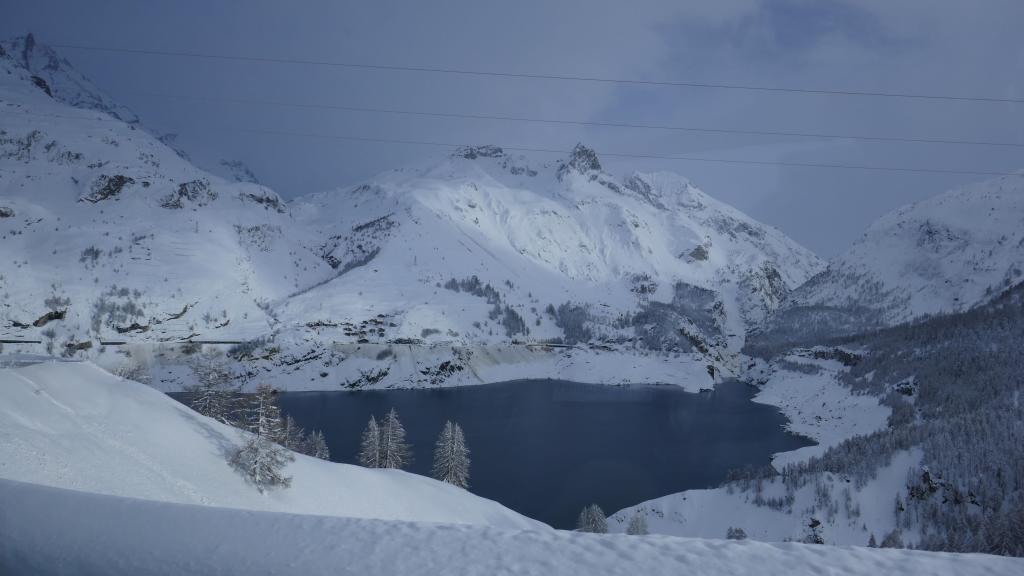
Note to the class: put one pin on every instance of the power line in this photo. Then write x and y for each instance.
(539, 76)
(454, 145)
(704, 130)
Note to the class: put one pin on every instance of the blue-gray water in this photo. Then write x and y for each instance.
(546, 448)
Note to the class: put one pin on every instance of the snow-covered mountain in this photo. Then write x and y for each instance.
(110, 229)
(112, 235)
(58, 78)
(945, 254)
(558, 249)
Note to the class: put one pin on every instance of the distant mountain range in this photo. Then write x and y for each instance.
(108, 234)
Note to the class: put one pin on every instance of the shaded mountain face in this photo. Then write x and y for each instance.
(945, 254)
(113, 235)
(59, 79)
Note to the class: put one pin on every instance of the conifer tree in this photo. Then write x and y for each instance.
(451, 456)
(213, 394)
(893, 539)
(293, 437)
(261, 459)
(592, 519)
(637, 525)
(394, 451)
(369, 448)
(316, 446)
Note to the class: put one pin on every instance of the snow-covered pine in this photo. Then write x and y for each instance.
(213, 394)
(369, 448)
(316, 446)
(637, 525)
(261, 459)
(893, 539)
(592, 519)
(293, 437)
(451, 456)
(395, 452)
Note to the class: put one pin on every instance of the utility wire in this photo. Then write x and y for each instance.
(703, 130)
(539, 76)
(454, 145)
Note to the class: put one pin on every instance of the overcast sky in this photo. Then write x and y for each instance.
(926, 46)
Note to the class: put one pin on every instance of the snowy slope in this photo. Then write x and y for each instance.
(542, 234)
(106, 224)
(808, 392)
(72, 425)
(945, 254)
(61, 79)
(710, 513)
(110, 235)
(47, 532)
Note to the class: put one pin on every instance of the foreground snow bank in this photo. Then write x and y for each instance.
(72, 425)
(47, 531)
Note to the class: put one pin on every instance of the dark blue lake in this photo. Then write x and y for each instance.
(547, 448)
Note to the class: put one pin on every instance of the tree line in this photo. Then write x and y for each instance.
(272, 439)
(383, 445)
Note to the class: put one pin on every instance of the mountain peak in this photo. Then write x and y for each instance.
(583, 159)
(61, 80)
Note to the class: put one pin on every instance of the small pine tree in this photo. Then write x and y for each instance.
(451, 456)
(261, 459)
(893, 539)
(316, 446)
(735, 534)
(637, 525)
(213, 395)
(592, 519)
(871, 541)
(293, 437)
(813, 535)
(369, 448)
(394, 451)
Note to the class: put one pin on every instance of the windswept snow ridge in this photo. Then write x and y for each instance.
(48, 531)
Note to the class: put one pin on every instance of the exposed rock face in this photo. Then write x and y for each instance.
(6, 212)
(266, 198)
(198, 192)
(49, 317)
(581, 160)
(107, 187)
(42, 85)
(474, 152)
